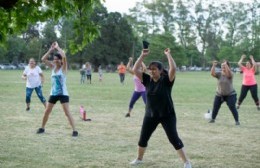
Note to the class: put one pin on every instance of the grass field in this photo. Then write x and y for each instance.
(110, 139)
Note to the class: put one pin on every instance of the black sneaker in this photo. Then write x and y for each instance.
(28, 108)
(127, 115)
(40, 130)
(75, 133)
(212, 121)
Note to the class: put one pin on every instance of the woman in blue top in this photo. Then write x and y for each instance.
(159, 106)
(59, 90)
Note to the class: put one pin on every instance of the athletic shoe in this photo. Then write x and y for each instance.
(237, 123)
(238, 107)
(127, 115)
(75, 133)
(187, 165)
(28, 108)
(136, 162)
(40, 131)
(212, 121)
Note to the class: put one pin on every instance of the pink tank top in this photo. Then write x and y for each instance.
(139, 87)
(248, 76)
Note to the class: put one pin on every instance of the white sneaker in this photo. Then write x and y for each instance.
(187, 165)
(136, 162)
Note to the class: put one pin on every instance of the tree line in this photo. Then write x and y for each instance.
(197, 31)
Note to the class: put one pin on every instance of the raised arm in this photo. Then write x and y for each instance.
(138, 64)
(213, 68)
(228, 70)
(129, 64)
(46, 56)
(253, 62)
(64, 59)
(241, 60)
(172, 64)
(144, 67)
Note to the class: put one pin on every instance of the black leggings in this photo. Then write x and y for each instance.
(122, 77)
(231, 102)
(89, 78)
(169, 126)
(244, 90)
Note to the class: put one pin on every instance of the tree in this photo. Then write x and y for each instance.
(16, 49)
(16, 15)
(236, 20)
(158, 44)
(115, 43)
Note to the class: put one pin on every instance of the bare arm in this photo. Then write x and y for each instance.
(253, 62)
(138, 63)
(46, 55)
(128, 66)
(24, 77)
(144, 67)
(228, 71)
(172, 64)
(213, 71)
(64, 59)
(241, 60)
(42, 77)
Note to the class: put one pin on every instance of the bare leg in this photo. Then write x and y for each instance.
(65, 107)
(141, 151)
(139, 158)
(47, 112)
(44, 104)
(184, 158)
(182, 155)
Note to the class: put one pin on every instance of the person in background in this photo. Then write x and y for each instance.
(83, 74)
(100, 73)
(34, 80)
(59, 90)
(121, 71)
(159, 106)
(88, 69)
(139, 87)
(249, 81)
(225, 91)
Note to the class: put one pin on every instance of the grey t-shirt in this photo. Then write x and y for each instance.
(225, 85)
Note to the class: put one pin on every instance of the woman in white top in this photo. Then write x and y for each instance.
(59, 90)
(34, 79)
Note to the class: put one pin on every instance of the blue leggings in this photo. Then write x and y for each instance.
(38, 92)
(231, 102)
(169, 126)
(136, 95)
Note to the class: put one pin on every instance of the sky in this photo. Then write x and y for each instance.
(122, 6)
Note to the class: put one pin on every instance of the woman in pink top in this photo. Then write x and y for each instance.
(249, 81)
(139, 87)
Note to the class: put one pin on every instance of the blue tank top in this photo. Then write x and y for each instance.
(58, 83)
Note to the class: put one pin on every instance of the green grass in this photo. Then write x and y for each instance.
(110, 139)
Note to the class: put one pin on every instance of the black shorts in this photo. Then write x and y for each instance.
(61, 98)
